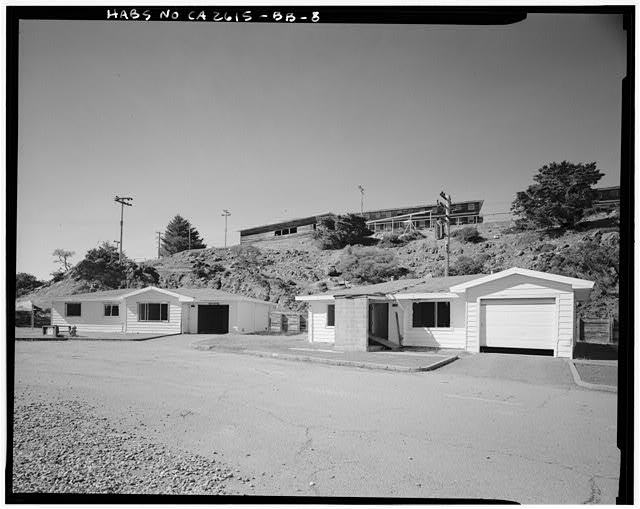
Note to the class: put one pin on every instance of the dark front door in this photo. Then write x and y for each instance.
(213, 319)
(379, 320)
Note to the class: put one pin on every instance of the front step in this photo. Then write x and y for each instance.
(386, 343)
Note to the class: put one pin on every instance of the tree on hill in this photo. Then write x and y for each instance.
(101, 264)
(26, 283)
(63, 256)
(176, 237)
(336, 232)
(560, 196)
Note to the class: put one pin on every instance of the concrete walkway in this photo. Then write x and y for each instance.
(35, 334)
(297, 348)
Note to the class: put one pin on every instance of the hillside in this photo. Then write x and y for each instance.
(278, 270)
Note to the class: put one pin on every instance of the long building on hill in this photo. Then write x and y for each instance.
(380, 220)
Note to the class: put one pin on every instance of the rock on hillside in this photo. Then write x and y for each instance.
(278, 270)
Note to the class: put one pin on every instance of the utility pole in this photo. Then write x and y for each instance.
(122, 200)
(225, 214)
(361, 199)
(159, 233)
(447, 216)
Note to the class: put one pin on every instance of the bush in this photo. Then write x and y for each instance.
(390, 240)
(466, 265)
(336, 232)
(468, 234)
(370, 265)
(411, 235)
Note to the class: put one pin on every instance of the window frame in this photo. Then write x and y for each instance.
(435, 315)
(140, 319)
(111, 305)
(332, 314)
(66, 309)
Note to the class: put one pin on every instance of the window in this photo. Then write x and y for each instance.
(432, 314)
(111, 310)
(153, 312)
(331, 315)
(73, 309)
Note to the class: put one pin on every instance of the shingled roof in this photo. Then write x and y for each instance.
(399, 286)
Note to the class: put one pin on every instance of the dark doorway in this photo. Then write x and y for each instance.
(518, 351)
(213, 319)
(379, 320)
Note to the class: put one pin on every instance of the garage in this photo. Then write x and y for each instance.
(518, 323)
(213, 319)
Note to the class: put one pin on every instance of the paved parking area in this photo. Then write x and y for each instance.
(303, 429)
(533, 369)
(297, 348)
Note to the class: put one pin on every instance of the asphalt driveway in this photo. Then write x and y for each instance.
(304, 429)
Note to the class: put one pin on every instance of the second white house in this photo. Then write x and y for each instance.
(512, 309)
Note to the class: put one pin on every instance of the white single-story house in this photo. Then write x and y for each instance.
(156, 310)
(514, 308)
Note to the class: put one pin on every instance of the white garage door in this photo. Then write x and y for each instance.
(518, 323)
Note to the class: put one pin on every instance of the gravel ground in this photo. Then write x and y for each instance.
(64, 447)
(598, 373)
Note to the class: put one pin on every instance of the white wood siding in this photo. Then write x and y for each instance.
(172, 326)
(566, 328)
(520, 286)
(253, 316)
(92, 318)
(317, 323)
(436, 337)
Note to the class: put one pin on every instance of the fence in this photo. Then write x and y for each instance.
(280, 321)
(598, 330)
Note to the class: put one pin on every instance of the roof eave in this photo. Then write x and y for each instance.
(425, 295)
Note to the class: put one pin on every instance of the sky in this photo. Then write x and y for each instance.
(275, 121)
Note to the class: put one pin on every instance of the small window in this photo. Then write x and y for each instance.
(278, 232)
(111, 310)
(431, 314)
(293, 230)
(443, 314)
(74, 309)
(153, 312)
(331, 315)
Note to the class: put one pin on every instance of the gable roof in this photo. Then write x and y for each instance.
(575, 283)
(183, 294)
(397, 287)
(417, 288)
(211, 294)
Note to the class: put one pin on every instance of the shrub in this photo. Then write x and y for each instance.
(370, 265)
(390, 240)
(468, 234)
(336, 232)
(411, 235)
(466, 265)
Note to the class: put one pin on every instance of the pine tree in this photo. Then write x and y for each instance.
(560, 196)
(176, 237)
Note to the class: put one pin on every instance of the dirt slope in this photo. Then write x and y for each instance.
(280, 269)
